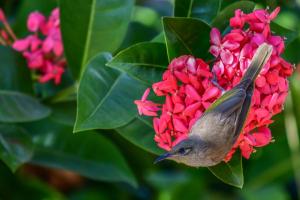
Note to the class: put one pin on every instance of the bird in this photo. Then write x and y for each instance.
(215, 132)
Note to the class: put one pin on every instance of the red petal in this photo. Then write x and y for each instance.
(192, 93)
(191, 109)
(210, 93)
(179, 126)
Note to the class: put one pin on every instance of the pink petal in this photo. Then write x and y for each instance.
(260, 81)
(231, 45)
(218, 68)
(210, 93)
(246, 149)
(191, 65)
(58, 48)
(169, 103)
(35, 20)
(272, 77)
(273, 101)
(178, 108)
(2, 15)
(215, 36)
(48, 45)
(179, 126)
(226, 57)
(21, 44)
(274, 14)
(156, 124)
(145, 95)
(262, 137)
(183, 77)
(192, 109)
(194, 81)
(214, 50)
(192, 93)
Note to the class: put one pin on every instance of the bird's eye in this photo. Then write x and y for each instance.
(184, 151)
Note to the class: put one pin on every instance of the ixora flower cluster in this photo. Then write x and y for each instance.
(189, 90)
(43, 49)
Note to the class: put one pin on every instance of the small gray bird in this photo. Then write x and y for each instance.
(214, 134)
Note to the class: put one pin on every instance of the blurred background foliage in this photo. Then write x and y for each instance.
(102, 165)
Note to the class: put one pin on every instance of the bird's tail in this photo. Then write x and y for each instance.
(258, 61)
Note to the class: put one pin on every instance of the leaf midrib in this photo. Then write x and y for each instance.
(88, 35)
(179, 38)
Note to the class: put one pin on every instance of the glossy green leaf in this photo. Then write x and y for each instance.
(221, 21)
(231, 172)
(203, 9)
(18, 107)
(15, 146)
(105, 97)
(185, 36)
(290, 35)
(160, 38)
(144, 62)
(91, 26)
(141, 133)
(89, 154)
(292, 51)
(14, 73)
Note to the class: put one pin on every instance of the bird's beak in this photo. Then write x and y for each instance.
(162, 157)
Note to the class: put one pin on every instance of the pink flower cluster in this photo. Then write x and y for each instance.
(43, 49)
(188, 89)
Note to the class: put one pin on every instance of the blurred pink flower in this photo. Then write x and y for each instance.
(35, 21)
(43, 54)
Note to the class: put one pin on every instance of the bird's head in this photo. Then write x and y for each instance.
(188, 151)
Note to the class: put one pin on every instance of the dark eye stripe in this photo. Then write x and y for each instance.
(181, 151)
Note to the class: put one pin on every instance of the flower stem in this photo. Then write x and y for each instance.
(9, 30)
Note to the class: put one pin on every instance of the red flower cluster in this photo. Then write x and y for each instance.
(189, 91)
(43, 49)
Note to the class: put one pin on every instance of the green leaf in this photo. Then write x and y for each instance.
(292, 51)
(144, 62)
(105, 97)
(28, 186)
(231, 172)
(15, 146)
(159, 38)
(91, 26)
(64, 112)
(222, 19)
(290, 35)
(18, 107)
(90, 154)
(14, 73)
(141, 133)
(186, 36)
(203, 9)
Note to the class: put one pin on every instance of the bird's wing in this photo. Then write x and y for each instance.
(229, 102)
(240, 121)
